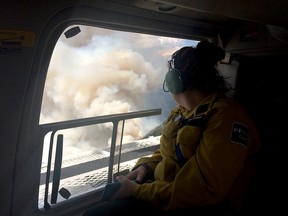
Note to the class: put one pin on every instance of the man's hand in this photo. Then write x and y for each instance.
(138, 174)
(126, 188)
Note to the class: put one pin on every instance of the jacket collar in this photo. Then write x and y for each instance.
(203, 108)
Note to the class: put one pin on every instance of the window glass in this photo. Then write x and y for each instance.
(101, 72)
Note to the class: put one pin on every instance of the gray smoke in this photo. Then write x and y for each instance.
(101, 72)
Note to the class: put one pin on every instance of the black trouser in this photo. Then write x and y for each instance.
(125, 207)
(135, 207)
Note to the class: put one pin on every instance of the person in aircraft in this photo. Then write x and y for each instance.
(208, 148)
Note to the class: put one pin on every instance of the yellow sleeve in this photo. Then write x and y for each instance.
(206, 177)
(156, 157)
(151, 161)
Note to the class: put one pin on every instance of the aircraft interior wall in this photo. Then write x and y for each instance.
(261, 89)
(256, 69)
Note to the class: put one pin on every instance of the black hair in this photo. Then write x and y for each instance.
(197, 66)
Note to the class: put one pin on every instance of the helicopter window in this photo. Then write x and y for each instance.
(102, 108)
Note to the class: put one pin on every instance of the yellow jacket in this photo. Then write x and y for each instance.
(205, 160)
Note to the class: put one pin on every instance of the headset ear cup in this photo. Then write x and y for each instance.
(174, 81)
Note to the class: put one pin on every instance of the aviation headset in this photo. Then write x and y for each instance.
(185, 67)
(176, 79)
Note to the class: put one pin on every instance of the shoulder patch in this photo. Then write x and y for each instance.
(239, 134)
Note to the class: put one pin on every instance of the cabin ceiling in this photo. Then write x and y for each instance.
(264, 23)
(220, 12)
(235, 21)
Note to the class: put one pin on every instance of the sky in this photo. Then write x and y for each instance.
(101, 72)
